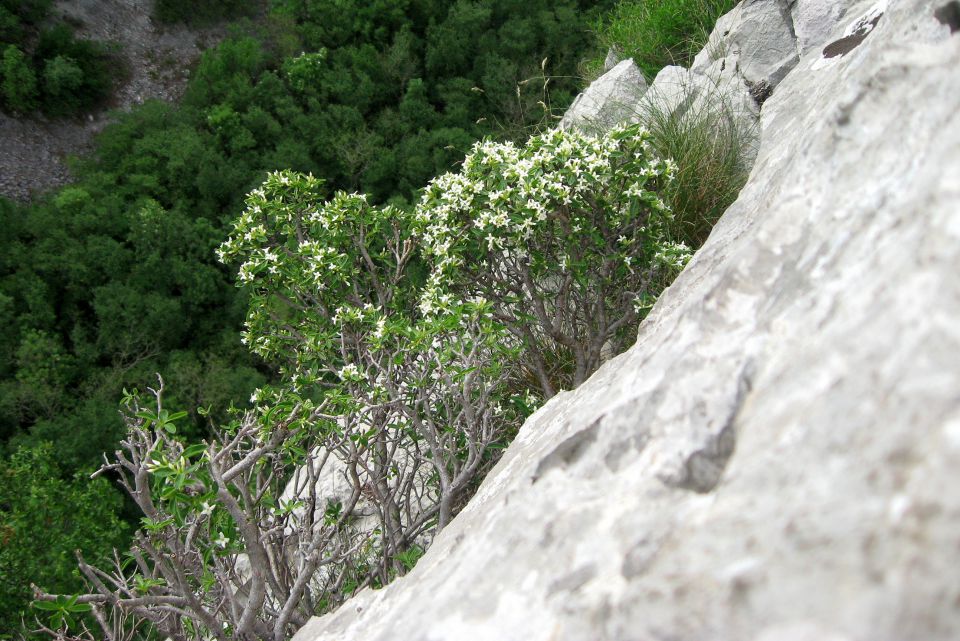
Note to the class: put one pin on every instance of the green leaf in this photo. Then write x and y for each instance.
(194, 450)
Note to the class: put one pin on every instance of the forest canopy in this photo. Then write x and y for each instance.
(44, 67)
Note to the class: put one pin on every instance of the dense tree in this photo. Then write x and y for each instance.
(108, 279)
(69, 514)
(45, 66)
(202, 12)
(19, 81)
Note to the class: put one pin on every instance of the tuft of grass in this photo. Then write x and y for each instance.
(713, 150)
(657, 33)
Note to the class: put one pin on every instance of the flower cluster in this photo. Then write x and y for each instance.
(314, 268)
(569, 228)
(566, 188)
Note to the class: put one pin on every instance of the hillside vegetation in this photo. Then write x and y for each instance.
(44, 67)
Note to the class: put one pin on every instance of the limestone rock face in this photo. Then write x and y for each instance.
(612, 60)
(813, 20)
(610, 100)
(777, 458)
(758, 36)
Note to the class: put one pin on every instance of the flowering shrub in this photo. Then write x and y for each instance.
(397, 410)
(567, 237)
(333, 303)
(318, 273)
(393, 391)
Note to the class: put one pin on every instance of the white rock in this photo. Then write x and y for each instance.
(800, 631)
(775, 458)
(757, 38)
(715, 90)
(610, 100)
(612, 60)
(814, 21)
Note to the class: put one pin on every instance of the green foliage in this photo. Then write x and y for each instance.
(28, 11)
(62, 77)
(407, 405)
(465, 67)
(312, 266)
(63, 611)
(69, 513)
(657, 33)
(9, 25)
(19, 81)
(102, 287)
(334, 301)
(43, 371)
(712, 149)
(45, 66)
(409, 385)
(567, 237)
(227, 73)
(202, 12)
(114, 278)
(82, 72)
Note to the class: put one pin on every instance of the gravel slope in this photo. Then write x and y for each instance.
(33, 152)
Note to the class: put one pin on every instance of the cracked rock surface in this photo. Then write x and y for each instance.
(777, 458)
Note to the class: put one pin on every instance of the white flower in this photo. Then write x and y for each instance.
(221, 541)
(426, 306)
(349, 372)
(381, 326)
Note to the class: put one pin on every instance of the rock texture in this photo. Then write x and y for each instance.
(777, 458)
(758, 37)
(717, 93)
(610, 100)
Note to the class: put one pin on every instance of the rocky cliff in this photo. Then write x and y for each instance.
(777, 457)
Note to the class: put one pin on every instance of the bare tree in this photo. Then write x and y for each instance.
(214, 556)
(248, 534)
